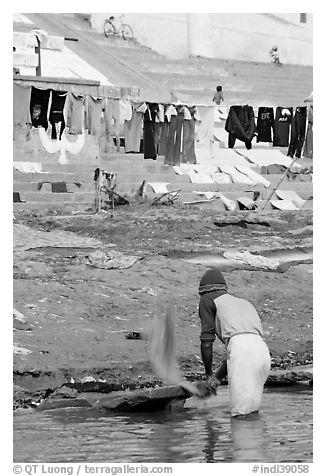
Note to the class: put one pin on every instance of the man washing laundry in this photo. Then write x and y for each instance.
(236, 323)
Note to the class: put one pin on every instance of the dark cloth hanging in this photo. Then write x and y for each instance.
(188, 144)
(240, 124)
(265, 124)
(178, 136)
(56, 112)
(170, 141)
(149, 131)
(163, 137)
(283, 117)
(298, 131)
(308, 145)
(39, 107)
(112, 124)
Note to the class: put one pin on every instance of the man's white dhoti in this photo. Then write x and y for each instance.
(248, 363)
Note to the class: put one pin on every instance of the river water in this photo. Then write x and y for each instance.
(202, 433)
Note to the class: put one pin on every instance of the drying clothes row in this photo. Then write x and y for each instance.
(74, 112)
(169, 130)
(221, 174)
(288, 127)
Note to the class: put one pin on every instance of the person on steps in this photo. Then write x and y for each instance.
(237, 324)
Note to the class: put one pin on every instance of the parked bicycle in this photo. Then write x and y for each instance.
(115, 26)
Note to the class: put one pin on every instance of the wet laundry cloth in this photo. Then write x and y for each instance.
(21, 104)
(39, 107)
(178, 137)
(292, 196)
(266, 157)
(248, 366)
(273, 169)
(163, 137)
(74, 112)
(149, 131)
(298, 131)
(157, 134)
(160, 114)
(29, 167)
(237, 177)
(246, 203)
(229, 204)
(265, 124)
(283, 117)
(58, 99)
(257, 261)
(200, 178)
(221, 177)
(204, 116)
(94, 106)
(168, 160)
(254, 176)
(133, 130)
(284, 205)
(308, 144)
(162, 349)
(112, 123)
(159, 187)
(240, 125)
(170, 111)
(125, 111)
(188, 142)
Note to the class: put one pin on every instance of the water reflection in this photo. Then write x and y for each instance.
(203, 432)
(248, 436)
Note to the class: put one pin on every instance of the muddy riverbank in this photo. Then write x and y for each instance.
(79, 313)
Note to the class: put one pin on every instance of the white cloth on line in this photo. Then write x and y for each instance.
(248, 364)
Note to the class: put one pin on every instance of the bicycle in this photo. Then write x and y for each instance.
(114, 26)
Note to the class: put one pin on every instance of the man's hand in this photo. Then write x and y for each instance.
(212, 383)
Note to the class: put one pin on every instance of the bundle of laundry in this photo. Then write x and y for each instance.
(240, 125)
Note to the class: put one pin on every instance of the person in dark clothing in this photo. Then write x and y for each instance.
(218, 96)
(236, 323)
(240, 124)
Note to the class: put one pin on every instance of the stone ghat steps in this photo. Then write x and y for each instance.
(80, 206)
(128, 190)
(129, 183)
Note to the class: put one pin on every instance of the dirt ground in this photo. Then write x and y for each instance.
(79, 315)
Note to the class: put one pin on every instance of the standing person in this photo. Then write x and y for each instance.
(218, 96)
(236, 323)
